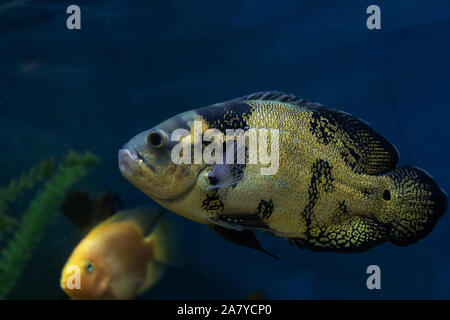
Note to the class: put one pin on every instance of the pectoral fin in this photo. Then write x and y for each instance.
(126, 286)
(244, 238)
(224, 175)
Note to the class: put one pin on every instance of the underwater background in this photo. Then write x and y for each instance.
(136, 63)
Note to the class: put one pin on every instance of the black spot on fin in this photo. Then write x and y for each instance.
(244, 238)
(85, 212)
(419, 204)
(363, 149)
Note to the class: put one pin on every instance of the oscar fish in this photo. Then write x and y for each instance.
(337, 188)
(121, 257)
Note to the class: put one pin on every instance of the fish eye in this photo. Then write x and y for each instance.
(157, 139)
(89, 266)
(387, 195)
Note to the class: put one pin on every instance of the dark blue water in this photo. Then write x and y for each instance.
(136, 63)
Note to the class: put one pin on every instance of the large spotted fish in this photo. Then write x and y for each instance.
(337, 187)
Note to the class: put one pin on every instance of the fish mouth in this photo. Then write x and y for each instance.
(126, 152)
(127, 156)
(63, 283)
(142, 160)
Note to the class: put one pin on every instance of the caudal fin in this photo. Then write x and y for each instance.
(417, 204)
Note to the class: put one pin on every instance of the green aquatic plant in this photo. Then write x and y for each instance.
(41, 210)
(17, 186)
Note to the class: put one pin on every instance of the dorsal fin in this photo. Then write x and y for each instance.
(274, 96)
(363, 149)
(279, 96)
(147, 218)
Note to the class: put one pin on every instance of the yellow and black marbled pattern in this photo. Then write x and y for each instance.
(328, 192)
(337, 187)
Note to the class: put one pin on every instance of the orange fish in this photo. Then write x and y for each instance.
(121, 257)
